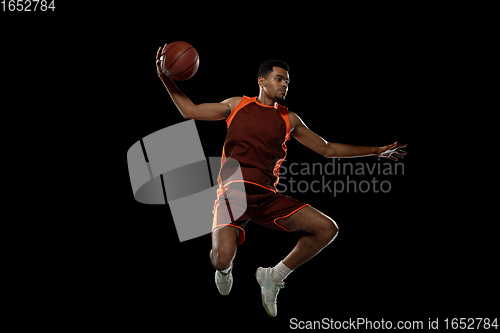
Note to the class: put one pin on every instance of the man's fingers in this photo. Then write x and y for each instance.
(399, 151)
(164, 47)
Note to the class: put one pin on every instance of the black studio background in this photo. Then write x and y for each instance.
(356, 78)
(354, 83)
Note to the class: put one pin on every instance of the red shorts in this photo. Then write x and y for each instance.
(262, 206)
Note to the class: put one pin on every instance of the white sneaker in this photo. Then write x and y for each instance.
(269, 289)
(224, 282)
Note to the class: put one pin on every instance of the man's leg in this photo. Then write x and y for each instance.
(224, 244)
(320, 231)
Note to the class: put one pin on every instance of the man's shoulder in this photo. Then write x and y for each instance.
(232, 102)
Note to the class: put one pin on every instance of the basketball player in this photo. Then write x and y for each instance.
(257, 129)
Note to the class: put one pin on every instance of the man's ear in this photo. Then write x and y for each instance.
(261, 81)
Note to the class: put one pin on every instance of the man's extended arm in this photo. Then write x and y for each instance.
(189, 110)
(330, 149)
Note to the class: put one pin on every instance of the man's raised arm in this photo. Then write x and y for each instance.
(189, 110)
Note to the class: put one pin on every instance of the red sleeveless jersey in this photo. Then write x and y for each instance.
(256, 137)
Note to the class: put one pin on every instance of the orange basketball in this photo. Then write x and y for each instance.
(179, 60)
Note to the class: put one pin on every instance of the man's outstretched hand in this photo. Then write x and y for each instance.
(392, 151)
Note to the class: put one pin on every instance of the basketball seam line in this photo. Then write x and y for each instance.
(168, 70)
(195, 60)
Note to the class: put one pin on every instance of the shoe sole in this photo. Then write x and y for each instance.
(262, 295)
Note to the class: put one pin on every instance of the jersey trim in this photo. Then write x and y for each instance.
(266, 106)
(282, 217)
(284, 114)
(244, 102)
(248, 182)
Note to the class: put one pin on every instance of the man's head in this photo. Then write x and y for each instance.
(273, 79)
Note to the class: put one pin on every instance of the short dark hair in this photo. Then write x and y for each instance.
(267, 67)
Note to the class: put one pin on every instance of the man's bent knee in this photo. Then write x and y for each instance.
(329, 231)
(221, 259)
(224, 245)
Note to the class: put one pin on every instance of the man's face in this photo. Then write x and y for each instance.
(276, 84)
